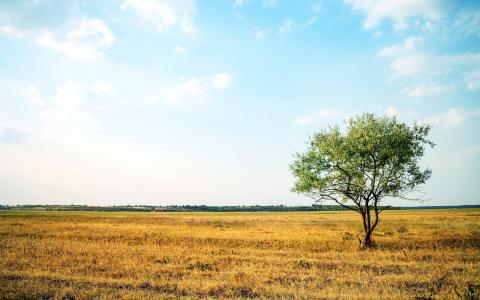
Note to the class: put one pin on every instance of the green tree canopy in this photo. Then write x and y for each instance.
(375, 158)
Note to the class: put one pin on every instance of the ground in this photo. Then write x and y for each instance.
(419, 255)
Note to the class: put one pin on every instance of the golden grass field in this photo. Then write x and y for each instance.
(305, 255)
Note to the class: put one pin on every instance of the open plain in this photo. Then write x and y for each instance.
(420, 254)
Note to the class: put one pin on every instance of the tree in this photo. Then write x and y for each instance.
(374, 158)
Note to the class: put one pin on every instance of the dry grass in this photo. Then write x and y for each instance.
(420, 254)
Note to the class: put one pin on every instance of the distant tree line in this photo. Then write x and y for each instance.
(206, 208)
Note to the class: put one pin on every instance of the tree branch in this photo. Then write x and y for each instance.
(340, 203)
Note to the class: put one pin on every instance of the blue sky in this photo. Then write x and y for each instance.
(204, 102)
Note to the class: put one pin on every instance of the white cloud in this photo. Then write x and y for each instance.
(270, 3)
(409, 44)
(221, 80)
(310, 22)
(238, 3)
(184, 88)
(265, 3)
(410, 64)
(75, 101)
(190, 90)
(319, 115)
(391, 111)
(431, 70)
(406, 60)
(472, 80)
(454, 117)
(286, 27)
(69, 104)
(418, 63)
(11, 31)
(83, 43)
(179, 49)
(165, 14)
(427, 26)
(398, 11)
(34, 95)
(101, 88)
(259, 33)
(428, 89)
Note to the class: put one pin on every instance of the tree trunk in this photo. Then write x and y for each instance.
(367, 240)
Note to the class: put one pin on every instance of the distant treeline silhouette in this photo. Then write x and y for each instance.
(207, 208)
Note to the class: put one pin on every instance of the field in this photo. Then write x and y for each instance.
(420, 254)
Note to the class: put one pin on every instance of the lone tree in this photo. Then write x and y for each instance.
(373, 159)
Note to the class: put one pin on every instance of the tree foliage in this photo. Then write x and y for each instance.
(375, 158)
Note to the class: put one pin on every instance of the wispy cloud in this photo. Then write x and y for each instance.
(428, 89)
(269, 3)
(221, 80)
(73, 101)
(472, 79)
(265, 3)
(452, 118)
(398, 11)
(238, 3)
(259, 33)
(101, 88)
(437, 74)
(34, 95)
(188, 90)
(68, 103)
(325, 114)
(165, 14)
(310, 22)
(84, 42)
(287, 26)
(406, 60)
(409, 44)
(11, 31)
(179, 49)
(467, 22)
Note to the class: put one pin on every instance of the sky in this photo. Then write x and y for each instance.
(168, 102)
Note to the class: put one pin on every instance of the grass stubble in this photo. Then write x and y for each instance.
(303, 255)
